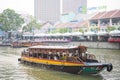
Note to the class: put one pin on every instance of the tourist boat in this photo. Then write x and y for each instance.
(18, 44)
(71, 59)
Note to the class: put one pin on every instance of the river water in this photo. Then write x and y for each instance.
(11, 69)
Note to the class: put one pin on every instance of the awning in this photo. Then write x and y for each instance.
(89, 33)
(115, 32)
(57, 34)
(40, 34)
(102, 33)
(27, 34)
(77, 33)
(67, 34)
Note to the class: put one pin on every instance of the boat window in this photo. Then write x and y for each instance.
(71, 51)
(44, 55)
(39, 55)
(31, 54)
(34, 55)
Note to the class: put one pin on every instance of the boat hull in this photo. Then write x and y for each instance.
(64, 66)
(91, 69)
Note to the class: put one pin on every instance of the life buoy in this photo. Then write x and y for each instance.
(109, 67)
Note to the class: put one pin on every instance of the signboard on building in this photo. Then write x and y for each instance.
(67, 17)
(84, 9)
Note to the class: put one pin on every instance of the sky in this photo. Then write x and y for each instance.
(20, 6)
(110, 4)
(27, 6)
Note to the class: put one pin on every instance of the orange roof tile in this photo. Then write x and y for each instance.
(108, 14)
(83, 23)
(104, 15)
(117, 14)
(97, 16)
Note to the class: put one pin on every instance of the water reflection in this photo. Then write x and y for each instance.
(111, 56)
(11, 69)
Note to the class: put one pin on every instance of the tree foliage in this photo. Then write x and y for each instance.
(63, 30)
(81, 30)
(31, 25)
(10, 20)
(110, 28)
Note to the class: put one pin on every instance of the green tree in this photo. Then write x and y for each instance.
(10, 20)
(63, 30)
(110, 28)
(81, 30)
(32, 25)
(119, 28)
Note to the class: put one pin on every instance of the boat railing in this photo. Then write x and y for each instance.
(87, 57)
(73, 59)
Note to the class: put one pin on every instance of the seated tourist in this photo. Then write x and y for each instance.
(55, 58)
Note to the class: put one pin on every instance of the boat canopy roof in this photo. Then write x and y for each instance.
(46, 48)
(54, 47)
(58, 47)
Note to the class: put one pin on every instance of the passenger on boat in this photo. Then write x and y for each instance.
(76, 58)
(30, 54)
(45, 55)
(40, 55)
(64, 57)
(57, 55)
(49, 55)
(73, 58)
(60, 56)
(55, 58)
(76, 52)
(70, 54)
(83, 56)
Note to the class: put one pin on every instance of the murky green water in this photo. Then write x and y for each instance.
(11, 69)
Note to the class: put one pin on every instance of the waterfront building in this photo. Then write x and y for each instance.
(94, 25)
(95, 28)
(47, 27)
(104, 22)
